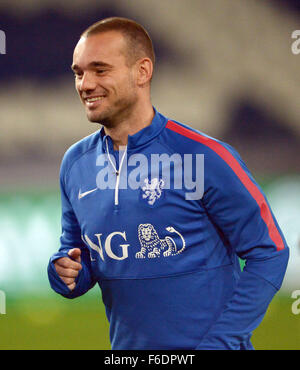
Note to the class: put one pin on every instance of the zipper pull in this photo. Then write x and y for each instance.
(117, 173)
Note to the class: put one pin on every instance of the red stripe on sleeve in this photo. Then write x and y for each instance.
(241, 174)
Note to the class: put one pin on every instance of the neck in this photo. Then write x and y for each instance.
(139, 119)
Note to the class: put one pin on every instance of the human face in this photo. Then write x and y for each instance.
(105, 83)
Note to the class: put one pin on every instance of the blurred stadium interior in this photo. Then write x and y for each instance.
(224, 67)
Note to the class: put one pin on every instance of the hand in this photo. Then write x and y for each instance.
(68, 269)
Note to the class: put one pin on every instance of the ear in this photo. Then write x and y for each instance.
(144, 71)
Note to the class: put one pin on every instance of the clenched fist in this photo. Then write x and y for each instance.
(68, 269)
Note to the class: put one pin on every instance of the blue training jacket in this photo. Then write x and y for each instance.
(165, 254)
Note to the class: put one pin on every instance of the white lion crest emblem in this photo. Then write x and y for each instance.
(152, 190)
(152, 246)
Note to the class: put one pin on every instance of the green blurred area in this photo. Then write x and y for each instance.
(55, 323)
(38, 318)
(280, 328)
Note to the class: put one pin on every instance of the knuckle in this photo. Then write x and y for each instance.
(63, 262)
(69, 280)
(72, 273)
(67, 262)
(67, 268)
(58, 269)
(68, 272)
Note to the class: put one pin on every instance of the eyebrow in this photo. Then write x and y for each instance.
(94, 64)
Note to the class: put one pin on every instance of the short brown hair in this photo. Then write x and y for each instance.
(139, 43)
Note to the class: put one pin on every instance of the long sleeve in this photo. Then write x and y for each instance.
(240, 212)
(70, 238)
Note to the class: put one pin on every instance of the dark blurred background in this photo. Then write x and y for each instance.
(224, 67)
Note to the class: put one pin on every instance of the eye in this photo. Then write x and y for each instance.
(100, 71)
(77, 74)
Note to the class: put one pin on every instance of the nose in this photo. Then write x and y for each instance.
(86, 83)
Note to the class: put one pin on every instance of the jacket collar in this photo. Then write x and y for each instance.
(141, 137)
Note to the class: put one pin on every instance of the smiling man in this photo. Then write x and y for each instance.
(113, 66)
(167, 265)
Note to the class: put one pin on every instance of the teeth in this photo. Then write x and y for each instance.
(94, 99)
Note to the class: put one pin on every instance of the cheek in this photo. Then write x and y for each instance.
(127, 80)
(77, 84)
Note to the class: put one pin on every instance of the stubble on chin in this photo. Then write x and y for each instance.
(119, 111)
(112, 117)
(105, 120)
(102, 118)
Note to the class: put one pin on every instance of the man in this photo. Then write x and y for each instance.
(165, 257)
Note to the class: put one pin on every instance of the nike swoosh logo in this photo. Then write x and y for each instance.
(82, 195)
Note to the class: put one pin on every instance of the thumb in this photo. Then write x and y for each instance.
(75, 254)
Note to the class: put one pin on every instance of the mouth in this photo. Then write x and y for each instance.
(94, 101)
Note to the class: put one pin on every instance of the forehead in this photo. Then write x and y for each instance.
(108, 47)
